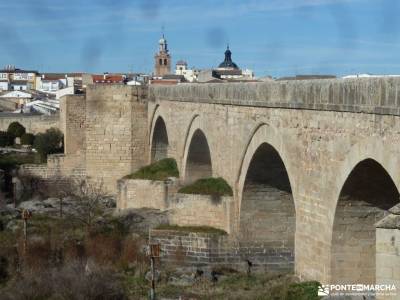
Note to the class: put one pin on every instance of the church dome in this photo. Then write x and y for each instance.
(228, 63)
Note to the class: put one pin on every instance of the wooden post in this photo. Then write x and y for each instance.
(154, 251)
(26, 215)
(153, 283)
(61, 207)
(15, 194)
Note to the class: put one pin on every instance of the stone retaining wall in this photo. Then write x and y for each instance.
(186, 209)
(388, 252)
(137, 193)
(199, 249)
(58, 165)
(32, 123)
(200, 210)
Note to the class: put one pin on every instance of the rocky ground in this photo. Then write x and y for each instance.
(114, 252)
(136, 220)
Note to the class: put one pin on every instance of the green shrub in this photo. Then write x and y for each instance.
(159, 170)
(49, 142)
(11, 160)
(27, 139)
(16, 129)
(6, 139)
(208, 186)
(303, 291)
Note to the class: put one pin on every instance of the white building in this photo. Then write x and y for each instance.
(248, 74)
(51, 83)
(182, 69)
(66, 91)
(17, 94)
(12, 78)
(4, 84)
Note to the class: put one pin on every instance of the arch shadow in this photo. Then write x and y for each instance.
(366, 194)
(267, 214)
(159, 142)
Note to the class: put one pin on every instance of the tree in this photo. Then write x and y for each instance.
(49, 142)
(6, 139)
(88, 202)
(27, 139)
(16, 129)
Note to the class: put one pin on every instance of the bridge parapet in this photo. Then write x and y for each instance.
(359, 95)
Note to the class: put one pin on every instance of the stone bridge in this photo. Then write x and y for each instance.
(313, 164)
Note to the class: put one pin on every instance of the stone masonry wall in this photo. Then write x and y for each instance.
(32, 123)
(369, 95)
(192, 248)
(185, 209)
(199, 249)
(388, 259)
(58, 165)
(353, 248)
(137, 193)
(200, 210)
(268, 218)
(73, 123)
(388, 252)
(116, 132)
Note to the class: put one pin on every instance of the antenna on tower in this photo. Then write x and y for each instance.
(162, 30)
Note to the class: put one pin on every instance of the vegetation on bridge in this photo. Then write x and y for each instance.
(208, 186)
(197, 229)
(159, 170)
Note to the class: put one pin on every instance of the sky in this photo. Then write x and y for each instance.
(271, 37)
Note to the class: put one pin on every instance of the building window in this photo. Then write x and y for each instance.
(160, 62)
(165, 61)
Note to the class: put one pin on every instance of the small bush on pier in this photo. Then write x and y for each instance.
(199, 229)
(159, 170)
(208, 186)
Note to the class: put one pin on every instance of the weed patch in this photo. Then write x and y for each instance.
(159, 170)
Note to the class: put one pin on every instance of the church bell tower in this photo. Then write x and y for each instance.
(162, 59)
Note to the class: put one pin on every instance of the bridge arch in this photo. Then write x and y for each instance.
(367, 186)
(159, 143)
(197, 159)
(267, 214)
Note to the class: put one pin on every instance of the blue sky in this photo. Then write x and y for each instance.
(272, 37)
